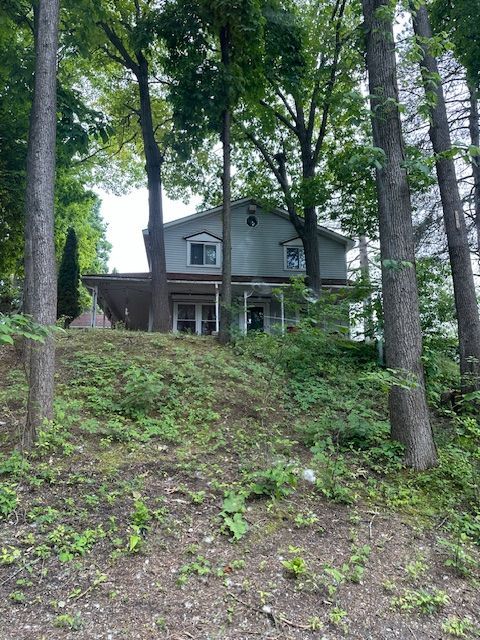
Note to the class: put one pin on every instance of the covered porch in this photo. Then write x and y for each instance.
(194, 302)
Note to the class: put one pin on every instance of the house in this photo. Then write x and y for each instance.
(90, 319)
(266, 253)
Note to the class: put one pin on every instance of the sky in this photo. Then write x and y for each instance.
(126, 216)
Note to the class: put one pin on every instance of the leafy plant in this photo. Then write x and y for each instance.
(232, 511)
(21, 326)
(278, 481)
(8, 500)
(458, 627)
(296, 566)
(423, 601)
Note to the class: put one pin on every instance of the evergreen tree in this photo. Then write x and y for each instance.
(68, 304)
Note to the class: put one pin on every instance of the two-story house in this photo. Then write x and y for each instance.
(266, 253)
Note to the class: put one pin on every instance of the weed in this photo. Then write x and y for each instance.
(458, 555)
(232, 511)
(337, 616)
(278, 481)
(305, 519)
(423, 601)
(8, 500)
(296, 566)
(9, 555)
(459, 627)
(200, 567)
(67, 621)
(416, 568)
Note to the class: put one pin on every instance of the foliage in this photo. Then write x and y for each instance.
(233, 508)
(424, 601)
(77, 127)
(21, 326)
(202, 86)
(278, 481)
(8, 500)
(68, 297)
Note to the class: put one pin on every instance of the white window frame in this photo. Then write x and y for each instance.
(198, 313)
(285, 261)
(205, 243)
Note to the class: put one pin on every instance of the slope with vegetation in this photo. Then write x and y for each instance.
(188, 490)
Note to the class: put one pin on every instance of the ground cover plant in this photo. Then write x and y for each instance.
(186, 489)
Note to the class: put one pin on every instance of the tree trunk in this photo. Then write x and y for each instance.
(409, 417)
(226, 306)
(310, 246)
(153, 164)
(368, 328)
(473, 123)
(453, 216)
(40, 267)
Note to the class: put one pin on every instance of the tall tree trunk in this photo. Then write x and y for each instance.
(153, 161)
(409, 417)
(41, 285)
(457, 237)
(473, 125)
(368, 328)
(310, 246)
(226, 306)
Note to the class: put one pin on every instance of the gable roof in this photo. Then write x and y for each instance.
(338, 237)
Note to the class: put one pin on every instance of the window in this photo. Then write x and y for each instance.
(194, 318)
(186, 321)
(208, 319)
(252, 221)
(203, 254)
(294, 259)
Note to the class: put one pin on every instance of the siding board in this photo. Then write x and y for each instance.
(256, 250)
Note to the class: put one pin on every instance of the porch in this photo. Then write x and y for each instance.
(194, 302)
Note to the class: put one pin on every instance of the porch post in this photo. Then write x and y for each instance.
(245, 296)
(282, 312)
(94, 307)
(217, 308)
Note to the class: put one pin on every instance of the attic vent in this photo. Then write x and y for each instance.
(252, 221)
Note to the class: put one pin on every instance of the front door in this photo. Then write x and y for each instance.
(255, 319)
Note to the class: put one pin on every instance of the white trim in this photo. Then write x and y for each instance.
(203, 236)
(218, 254)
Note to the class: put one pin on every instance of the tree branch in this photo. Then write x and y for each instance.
(116, 41)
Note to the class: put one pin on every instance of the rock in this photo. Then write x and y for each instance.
(309, 475)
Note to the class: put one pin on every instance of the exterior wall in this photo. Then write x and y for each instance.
(256, 250)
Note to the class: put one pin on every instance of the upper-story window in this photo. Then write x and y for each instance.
(293, 255)
(294, 259)
(203, 254)
(203, 250)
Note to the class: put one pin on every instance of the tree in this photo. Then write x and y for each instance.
(77, 128)
(456, 230)
(68, 298)
(311, 99)
(131, 40)
(121, 36)
(212, 69)
(450, 18)
(40, 267)
(409, 417)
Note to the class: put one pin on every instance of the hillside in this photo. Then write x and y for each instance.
(186, 490)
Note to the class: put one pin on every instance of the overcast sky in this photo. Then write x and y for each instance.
(126, 216)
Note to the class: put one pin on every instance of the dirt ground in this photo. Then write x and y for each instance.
(187, 579)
